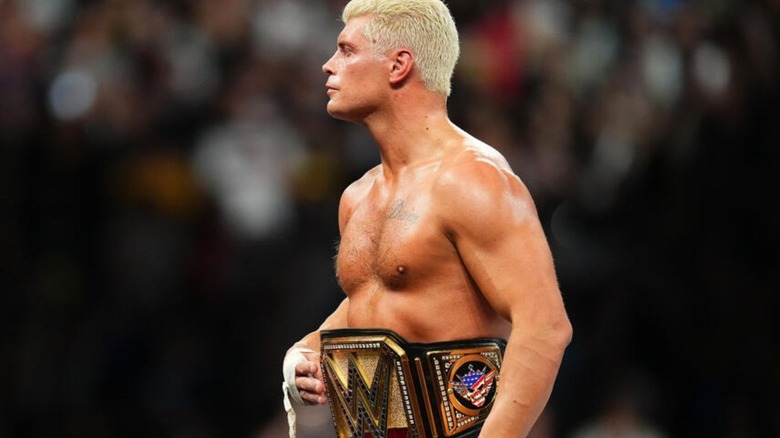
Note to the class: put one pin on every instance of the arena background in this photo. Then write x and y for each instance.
(169, 182)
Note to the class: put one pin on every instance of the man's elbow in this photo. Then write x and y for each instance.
(559, 333)
(551, 332)
(565, 331)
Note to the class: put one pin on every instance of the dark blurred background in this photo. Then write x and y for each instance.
(169, 182)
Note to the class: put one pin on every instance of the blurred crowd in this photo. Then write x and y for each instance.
(169, 182)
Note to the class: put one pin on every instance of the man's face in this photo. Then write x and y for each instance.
(357, 77)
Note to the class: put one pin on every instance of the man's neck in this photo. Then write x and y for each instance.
(410, 134)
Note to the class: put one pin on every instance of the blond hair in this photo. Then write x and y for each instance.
(425, 27)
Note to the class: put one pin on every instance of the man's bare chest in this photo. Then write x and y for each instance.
(392, 246)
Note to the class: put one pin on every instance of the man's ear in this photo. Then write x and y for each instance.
(403, 63)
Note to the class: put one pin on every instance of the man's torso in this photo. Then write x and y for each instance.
(401, 269)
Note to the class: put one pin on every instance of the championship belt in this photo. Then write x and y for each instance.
(378, 384)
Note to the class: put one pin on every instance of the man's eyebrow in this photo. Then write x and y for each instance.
(346, 45)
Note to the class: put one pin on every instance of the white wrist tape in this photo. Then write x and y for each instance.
(291, 360)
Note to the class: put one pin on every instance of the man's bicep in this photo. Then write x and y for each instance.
(514, 269)
(504, 248)
(493, 221)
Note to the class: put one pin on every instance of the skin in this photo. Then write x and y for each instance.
(441, 241)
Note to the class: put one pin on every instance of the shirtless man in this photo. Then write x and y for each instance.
(440, 241)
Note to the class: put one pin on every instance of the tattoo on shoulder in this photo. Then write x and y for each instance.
(397, 212)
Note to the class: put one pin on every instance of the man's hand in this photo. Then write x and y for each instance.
(308, 380)
(302, 382)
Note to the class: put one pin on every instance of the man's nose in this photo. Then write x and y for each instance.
(326, 68)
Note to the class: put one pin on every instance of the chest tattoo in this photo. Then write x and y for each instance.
(397, 212)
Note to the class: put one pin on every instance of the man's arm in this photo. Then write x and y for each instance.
(495, 226)
(305, 353)
(308, 376)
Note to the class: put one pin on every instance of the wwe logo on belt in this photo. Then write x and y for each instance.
(359, 397)
(475, 385)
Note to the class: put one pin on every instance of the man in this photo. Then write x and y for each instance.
(452, 305)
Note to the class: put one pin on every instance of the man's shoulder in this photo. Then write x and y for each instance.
(478, 179)
(354, 193)
(358, 187)
(475, 166)
(366, 179)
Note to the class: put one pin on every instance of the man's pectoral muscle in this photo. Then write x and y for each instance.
(401, 272)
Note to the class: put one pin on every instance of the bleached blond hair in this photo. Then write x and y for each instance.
(425, 27)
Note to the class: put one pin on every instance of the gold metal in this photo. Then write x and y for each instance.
(373, 386)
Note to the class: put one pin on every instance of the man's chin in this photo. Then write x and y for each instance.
(338, 114)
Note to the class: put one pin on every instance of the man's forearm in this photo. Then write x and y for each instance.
(527, 377)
